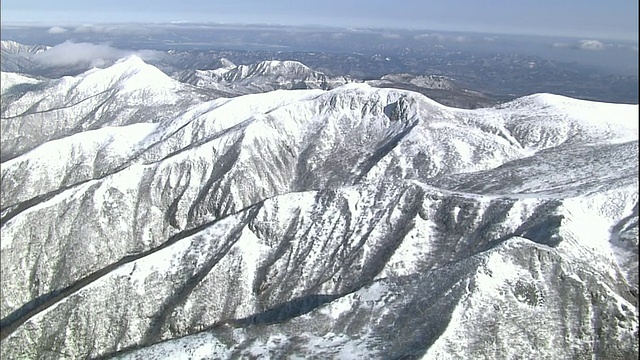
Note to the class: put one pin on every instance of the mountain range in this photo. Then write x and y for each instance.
(231, 215)
(227, 79)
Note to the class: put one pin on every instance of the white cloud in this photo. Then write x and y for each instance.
(442, 37)
(57, 30)
(70, 53)
(115, 29)
(591, 45)
(88, 28)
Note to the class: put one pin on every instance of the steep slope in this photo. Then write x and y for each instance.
(15, 56)
(128, 92)
(376, 220)
(491, 305)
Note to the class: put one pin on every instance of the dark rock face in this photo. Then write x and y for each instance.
(143, 218)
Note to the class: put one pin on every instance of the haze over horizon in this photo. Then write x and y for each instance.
(617, 19)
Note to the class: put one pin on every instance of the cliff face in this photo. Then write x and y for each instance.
(140, 214)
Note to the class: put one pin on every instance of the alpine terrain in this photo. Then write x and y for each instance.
(233, 215)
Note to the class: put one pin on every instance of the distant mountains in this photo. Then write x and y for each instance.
(261, 77)
(15, 56)
(227, 79)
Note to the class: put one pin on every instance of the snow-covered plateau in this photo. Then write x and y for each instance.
(147, 218)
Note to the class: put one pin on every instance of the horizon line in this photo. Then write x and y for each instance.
(46, 23)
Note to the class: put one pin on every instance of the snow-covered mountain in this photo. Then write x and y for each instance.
(446, 90)
(13, 47)
(143, 219)
(261, 77)
(15, 56)
(428, 82)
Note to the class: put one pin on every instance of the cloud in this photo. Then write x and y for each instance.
(442, 37)
(588, 45)
(69, 53)
(591, 45)
(88, 28)
(57, 30)
(120, 29)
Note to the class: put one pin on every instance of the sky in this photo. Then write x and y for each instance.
(598, 19)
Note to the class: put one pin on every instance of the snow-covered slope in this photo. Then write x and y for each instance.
(356, 222)
(16, 57)
(13, 47)
(261, 77)
(128, 92)
(12, 80)
(420, 81)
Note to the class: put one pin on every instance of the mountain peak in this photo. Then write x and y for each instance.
(225, 63)
(130, 73)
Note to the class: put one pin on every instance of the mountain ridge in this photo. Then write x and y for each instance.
(271, 209)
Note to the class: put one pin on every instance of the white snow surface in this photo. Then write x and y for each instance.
(10, 80)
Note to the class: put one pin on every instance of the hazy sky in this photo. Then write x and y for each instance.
(581, 18)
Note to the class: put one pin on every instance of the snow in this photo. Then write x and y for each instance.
(497, 273)
(117, 142)
(167, 260)
(352, 195)
(338, 307)
(415, 247)
(464, 149)
(128, 74)
(600, 122)
(200, 346)
(251, 251)
(9, 80)
(339, 346)
(15, 223)
(373, 293)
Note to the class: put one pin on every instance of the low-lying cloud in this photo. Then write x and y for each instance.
(120, 29)
(57, 30)
(592, 45)
(70, 54)
(442, 37)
